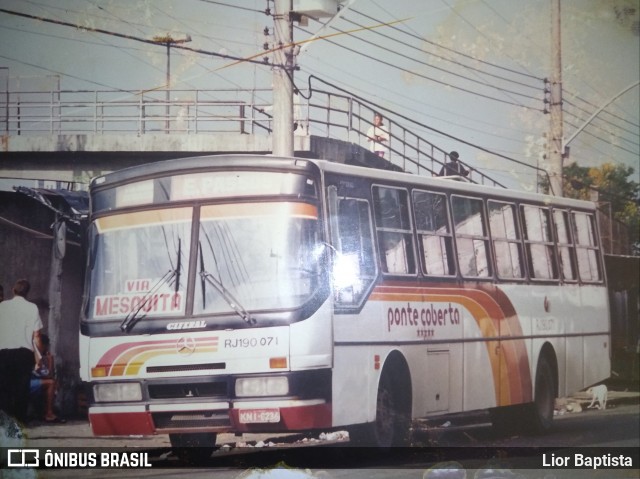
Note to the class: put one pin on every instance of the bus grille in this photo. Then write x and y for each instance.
(188, 390)
(191, 419)
(186, 368)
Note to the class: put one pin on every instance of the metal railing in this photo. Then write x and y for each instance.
(195, 112)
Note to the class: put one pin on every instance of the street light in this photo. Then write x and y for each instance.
(168, 39)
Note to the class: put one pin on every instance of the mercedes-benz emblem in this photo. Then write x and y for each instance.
(186, 346)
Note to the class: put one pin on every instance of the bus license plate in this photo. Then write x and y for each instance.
(248, 416)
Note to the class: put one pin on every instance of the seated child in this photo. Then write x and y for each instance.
(43, 381)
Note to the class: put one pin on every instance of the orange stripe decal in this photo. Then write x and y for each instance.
(497, 322)
(127, 359)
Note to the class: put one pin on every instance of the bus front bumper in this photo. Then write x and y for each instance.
(239, 416)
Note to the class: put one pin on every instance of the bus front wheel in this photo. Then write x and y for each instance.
(193, 448)
(392, 422)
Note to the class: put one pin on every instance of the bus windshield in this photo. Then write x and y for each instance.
(261, 256)
(138, 264)
(250, 257)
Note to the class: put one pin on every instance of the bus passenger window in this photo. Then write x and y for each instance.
(394, 247)
(393, 227)
(506, 239)
(471, 237)
(565, 245)
(539, 243)
(586, 247)
(434, 233)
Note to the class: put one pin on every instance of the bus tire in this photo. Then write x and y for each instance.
(193, 448)
(540, 411)
(393, 415)
(530, 418)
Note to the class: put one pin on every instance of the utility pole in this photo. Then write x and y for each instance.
(169, 40)
(283, 67)
(556, 147)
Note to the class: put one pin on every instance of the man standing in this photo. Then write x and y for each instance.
(453, 167)
(378, 136)
(20, 326)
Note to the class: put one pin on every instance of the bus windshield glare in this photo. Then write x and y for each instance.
(250, 257)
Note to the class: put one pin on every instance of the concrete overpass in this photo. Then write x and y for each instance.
(75, 158)
(71, 136)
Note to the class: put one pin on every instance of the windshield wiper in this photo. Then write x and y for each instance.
(206, 277)
(134, 315)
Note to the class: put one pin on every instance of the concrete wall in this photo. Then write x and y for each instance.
(25, 252)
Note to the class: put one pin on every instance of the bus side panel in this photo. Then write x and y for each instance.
(571, 377)
(353, 394)
(479, 391)
(312, 340)
(356, 372)
(597, 348)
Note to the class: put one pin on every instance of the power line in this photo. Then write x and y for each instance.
(416, 103)
(235, 6)
(614, 125)
(128, 37)
(421, 75)
(577, 97)
(602, 139)
(68, 75)
(453, 50)
(602, 129)
(469, 67)
(396, 53)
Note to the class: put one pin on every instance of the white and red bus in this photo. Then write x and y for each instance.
(262, 294)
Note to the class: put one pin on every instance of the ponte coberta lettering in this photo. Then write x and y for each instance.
(422, 317)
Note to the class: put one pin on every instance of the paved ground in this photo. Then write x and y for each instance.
(77, 433)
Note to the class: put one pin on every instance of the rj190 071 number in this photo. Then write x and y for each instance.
(251, 342)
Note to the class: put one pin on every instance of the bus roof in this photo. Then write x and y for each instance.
(190, 164)
(451, 184)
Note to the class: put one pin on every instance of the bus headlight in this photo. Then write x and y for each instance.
(117, 392)
(263, 386)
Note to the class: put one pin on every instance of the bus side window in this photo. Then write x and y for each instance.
(434, 233)
(539, 243)
(394, 231)
(566, 251)
(586, 247)
(506, 239)
(472, 237)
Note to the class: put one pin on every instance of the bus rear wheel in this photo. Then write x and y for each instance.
(193, 448)
(530, 418)
(392, 422)
(540, 412)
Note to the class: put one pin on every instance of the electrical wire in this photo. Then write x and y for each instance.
(415, 104)
(402, 55)
(125, 36)
(235, 6)
(635, 153)
(423, 76)
(604, 120)
(453, 50)
(469, 67)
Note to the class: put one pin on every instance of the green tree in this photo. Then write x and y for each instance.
(608, 183)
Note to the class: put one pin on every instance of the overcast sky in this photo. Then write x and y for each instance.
(472, 69)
